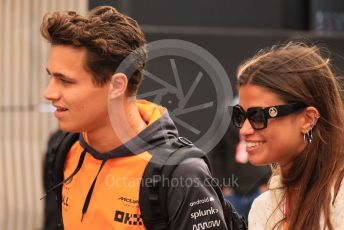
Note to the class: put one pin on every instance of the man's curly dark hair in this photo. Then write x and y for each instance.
(108, 36)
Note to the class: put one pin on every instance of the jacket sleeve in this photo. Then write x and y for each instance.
(193, 199)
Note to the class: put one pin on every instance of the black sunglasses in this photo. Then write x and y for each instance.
(258, 116)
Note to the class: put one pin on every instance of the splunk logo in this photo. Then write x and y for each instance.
(206, 212)
(128, 218)
(206, 225)
(205, 200)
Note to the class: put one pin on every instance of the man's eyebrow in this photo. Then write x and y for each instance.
(59, 75)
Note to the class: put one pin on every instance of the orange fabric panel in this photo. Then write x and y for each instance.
(114, 203)
(149, 111)
(115, 200)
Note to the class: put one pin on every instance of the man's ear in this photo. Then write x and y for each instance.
(310, 118)
(118, 85)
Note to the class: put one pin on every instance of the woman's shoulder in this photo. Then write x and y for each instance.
(337, 210)
(260, 212)
(338, 196)
(263, 202)
(272, 194)
(264, 208)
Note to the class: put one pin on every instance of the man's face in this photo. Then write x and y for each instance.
(80, 105)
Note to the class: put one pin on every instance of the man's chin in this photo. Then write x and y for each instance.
(68, 129)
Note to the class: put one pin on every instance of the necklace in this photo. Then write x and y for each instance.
(286, 209)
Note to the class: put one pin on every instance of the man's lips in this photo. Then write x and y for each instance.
(60, 108)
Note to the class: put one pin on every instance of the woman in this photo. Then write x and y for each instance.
(291, 116)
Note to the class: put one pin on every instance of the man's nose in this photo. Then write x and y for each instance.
(52, 92)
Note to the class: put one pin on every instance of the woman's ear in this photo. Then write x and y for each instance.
(310, 118)
(118, 85)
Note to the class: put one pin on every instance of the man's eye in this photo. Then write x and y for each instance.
(65, 81)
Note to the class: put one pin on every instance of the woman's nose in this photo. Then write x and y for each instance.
(246, 128)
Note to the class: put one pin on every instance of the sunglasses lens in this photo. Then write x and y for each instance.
(256, 118)
(238, 117)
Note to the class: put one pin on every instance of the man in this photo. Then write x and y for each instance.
(92, 98)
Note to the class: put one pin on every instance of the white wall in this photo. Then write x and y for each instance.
(23, 128)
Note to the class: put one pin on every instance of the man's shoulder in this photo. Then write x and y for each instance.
(191, 167)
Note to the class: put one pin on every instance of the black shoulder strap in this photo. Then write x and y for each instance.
(58, 147)
(153, 191)
(61, 153)
(57, 155)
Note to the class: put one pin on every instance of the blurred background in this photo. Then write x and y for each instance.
(230, 30)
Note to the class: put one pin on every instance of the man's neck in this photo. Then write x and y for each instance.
(122, 128)
(103, 140)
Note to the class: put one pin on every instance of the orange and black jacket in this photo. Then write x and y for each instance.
(104, 193)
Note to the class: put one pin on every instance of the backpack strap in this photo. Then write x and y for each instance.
(55, 158)
(60, 152)
(179, 156)
(153, 191)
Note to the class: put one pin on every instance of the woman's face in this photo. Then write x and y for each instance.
(281, 140)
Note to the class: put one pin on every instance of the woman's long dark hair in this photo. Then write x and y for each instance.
(297, 72)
